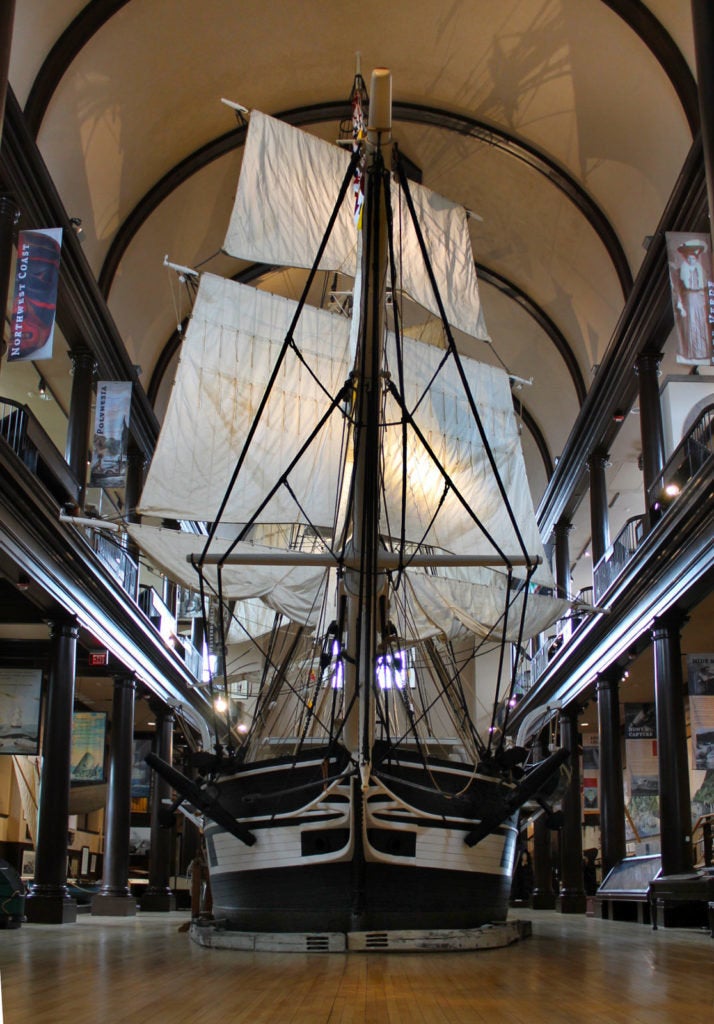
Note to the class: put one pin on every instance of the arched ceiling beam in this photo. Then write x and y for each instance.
(257, 270)
(77, 34)
(536, 433)
(636, 15)
(538, 314)
(657, 39)
(409, 112)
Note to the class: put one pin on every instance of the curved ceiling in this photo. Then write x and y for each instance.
(562, 123)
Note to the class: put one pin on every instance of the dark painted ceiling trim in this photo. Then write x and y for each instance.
(89, 20)
(644, 325)
(96, 13)
(408, 112)
(658, 40)
(536, 433)
(538, 314)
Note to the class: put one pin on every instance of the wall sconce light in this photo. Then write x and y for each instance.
(76, 223)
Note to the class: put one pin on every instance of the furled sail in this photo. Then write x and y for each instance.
(288, 185)
(456, 602)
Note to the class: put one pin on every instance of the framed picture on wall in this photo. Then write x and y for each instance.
(88, 732)
(28, 864)
(20, 695)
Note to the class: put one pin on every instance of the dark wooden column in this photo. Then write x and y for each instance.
(9, 214)
(674, 801)
(599, 513)
(562, 557)
(114, 898)
(7, 15)
(48, 901)
(543, 895)
(159, 895)
(651, 429)
(80, 405)
(703, 25)
(612, 796)
(136, 463)
(572, 894)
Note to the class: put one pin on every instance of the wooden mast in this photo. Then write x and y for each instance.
(363, 585)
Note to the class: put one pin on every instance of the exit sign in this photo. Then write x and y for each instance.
(98, 658)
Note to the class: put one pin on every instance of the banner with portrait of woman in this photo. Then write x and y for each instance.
(690, 275)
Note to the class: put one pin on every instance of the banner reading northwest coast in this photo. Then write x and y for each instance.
(691, 280)
(111, 434)
(35, 302)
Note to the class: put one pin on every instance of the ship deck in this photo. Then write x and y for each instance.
(572, 968)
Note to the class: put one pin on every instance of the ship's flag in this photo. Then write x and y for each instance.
(358, 131)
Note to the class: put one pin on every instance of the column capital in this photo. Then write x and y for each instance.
(126, 680)
(648, 361)
(9, 210)
(82, 359)
(64, 627)
(598, 458)
(136, 457)
(609, 679)
(160, 708)
(669, 624)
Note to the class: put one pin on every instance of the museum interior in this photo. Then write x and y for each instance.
(578, 137)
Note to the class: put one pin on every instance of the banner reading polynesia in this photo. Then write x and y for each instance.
(35, 302)
(111, 434)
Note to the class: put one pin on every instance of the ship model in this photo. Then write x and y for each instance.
(349, 490)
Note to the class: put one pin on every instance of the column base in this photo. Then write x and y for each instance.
(44, 909)
(542, 901)
(162, 901)
(572, 903)
(113, 906)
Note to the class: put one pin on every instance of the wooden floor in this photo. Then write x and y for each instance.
(572, 970)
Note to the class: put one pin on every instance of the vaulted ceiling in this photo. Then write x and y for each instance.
(562, 124)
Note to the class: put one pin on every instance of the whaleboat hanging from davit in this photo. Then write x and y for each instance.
(354, 498)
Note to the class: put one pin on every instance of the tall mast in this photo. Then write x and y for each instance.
(364, 586)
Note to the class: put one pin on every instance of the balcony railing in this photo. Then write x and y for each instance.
(687, 459)
(618, 555)
(117, 560)
(31, 443)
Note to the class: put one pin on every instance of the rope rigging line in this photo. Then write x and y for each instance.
(288, 341)
(457, 360)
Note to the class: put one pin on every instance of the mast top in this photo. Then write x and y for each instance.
(380, 104)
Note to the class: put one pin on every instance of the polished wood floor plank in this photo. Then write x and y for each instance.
(573, 969)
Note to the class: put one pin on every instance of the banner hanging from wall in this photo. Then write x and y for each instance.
(642, 773)
(88, 737)
(111, 434)
(591, 776)
(700, 679)
(35, 302)
(690, 276)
